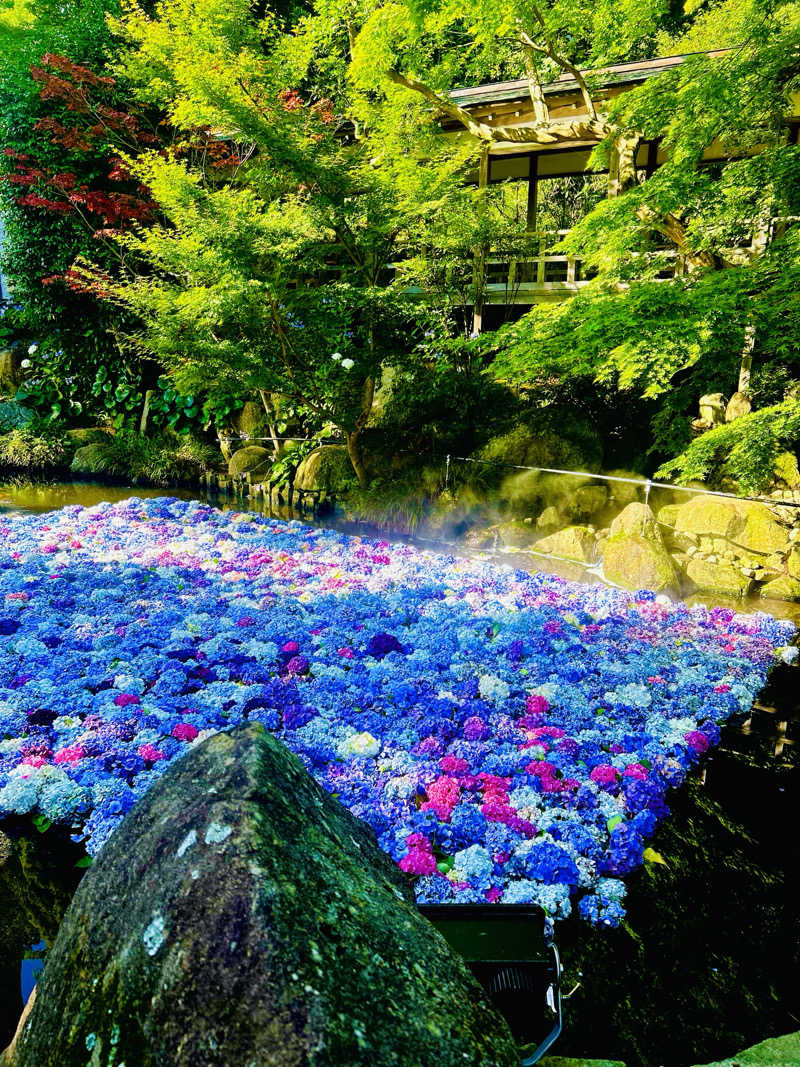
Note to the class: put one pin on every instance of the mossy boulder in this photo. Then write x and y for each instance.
(241, 916)
(761, 533)
(636, 562)
(746, 524)
(550, 519)
(774, 1052)
(783, 588)
(668, 514)
(626, 492)
(710, 516)
(90, 459)
(325, 470)
(527, 447)
(569, 1061)
(87, 435)
(588, 500)
(516, 534)
(573, 542)
(786, 470)
(637, 520)
(251, 420)
(252, 459)
(718, 578)
(793, 563)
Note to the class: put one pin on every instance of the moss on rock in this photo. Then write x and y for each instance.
(774, 1052)
(573, 542)
(90, 459)
(637, 519)
(718, 578)
(252, 459)
(748, 525)
(240, 915)
(783, 588)
(635, 562)
(325, 470)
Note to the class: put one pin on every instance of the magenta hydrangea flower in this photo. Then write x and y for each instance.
(184, 731)
(696, 741)
(124, 699)
(604, 774)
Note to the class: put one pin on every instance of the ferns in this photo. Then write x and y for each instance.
(25, 449)
(744, 450)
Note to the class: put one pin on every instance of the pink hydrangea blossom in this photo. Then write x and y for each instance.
(443, 796)
(71, 754)
(419, 860)
(536, 705)
(453, 764)
(696, 741)
(151, 753)
(184, 731)
(604, 774)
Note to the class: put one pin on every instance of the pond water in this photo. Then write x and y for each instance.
(708, 960)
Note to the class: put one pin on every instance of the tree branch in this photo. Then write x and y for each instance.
(593, 129)
(560, 60)
(540, 109)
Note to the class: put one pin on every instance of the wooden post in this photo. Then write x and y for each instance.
(533, 191)
(540, 264)
(481, 251)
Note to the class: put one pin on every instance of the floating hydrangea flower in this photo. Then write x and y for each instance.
(360, 745)
(509, 737)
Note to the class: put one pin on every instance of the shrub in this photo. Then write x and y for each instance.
(27, 449)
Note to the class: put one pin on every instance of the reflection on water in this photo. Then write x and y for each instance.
(709, 959)
(38, 497)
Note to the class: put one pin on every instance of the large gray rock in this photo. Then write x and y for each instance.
(252, 459)
(635, 562)
(241, 917)
(774, 1052)
(637, 519)
(573, 542)
(325, 470)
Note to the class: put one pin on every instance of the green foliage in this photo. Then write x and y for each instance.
(34, 447)
(744, 450)
(401, 502)
(164, 460)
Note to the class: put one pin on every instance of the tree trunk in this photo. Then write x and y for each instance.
(354, 452)
(622, 165)
(270, 424)
(746, 363)
(352, 436)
